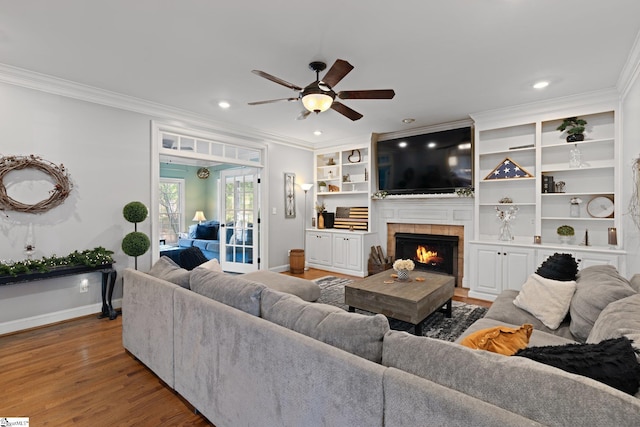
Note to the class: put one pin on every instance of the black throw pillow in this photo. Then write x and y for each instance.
(562, 267)
(612, 361)
(192, 257)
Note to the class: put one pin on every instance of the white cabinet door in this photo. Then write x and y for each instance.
(496, 268)
(347, 251)
(487, 269)
(517, 265)
(319, 248)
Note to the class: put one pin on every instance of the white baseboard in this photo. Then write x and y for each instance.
(482, 296)
(49, 318)
(280, 268)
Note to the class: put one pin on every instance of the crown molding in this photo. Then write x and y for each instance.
(631, 69)
(425, 129)
(69, 89)
(551, 109)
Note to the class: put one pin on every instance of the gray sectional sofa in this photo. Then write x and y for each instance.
(244, 354)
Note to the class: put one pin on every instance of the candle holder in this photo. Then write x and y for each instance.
(612, 237)
(537, 240)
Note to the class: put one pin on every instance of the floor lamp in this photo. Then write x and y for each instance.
(305, 187)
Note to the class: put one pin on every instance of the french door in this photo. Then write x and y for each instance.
(239, 226)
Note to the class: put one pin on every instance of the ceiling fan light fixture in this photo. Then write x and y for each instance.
(317, 102)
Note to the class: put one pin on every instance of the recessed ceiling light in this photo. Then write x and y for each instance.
(402, 144)
(541, 84)
(224, 104)
(431, 145)
(317, 132)
(407, 121)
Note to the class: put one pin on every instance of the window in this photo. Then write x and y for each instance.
(171, 200)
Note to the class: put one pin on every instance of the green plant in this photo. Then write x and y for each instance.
(135, 243)
(565, 230)
(135, 212)
(572, 125)
(90, 257)
(320, 207)
(322, 184)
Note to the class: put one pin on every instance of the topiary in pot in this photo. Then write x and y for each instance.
(574, 127)
(136, 243)
(565, 233)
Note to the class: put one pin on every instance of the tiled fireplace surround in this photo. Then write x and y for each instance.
(450, 216)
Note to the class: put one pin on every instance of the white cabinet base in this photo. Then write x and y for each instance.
(339, 251)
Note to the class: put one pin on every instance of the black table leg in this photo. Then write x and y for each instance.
(418, 330)
(352, 309)
(108, 282)
(448, 308)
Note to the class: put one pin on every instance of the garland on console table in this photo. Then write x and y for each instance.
(88, 258)
(59, 174)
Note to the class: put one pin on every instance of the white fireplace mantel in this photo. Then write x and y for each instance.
(430, 210)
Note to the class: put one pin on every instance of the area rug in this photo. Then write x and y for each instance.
(434, 326)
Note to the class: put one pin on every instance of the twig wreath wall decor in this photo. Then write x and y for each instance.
(62, 184)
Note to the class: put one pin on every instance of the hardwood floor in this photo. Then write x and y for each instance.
(77, 373)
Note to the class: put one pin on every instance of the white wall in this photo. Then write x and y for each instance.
(287, 233)
(107, 152)
(630, 152)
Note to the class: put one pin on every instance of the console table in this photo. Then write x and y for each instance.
(107, 271)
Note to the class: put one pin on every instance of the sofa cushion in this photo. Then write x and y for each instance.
(212, 265)
(499, 339)
(356, 333)
(165, 268)
(635, 282)
(504, 311)
(192, 231)
(612, 361)
(228, 289)
(559, 267)
(546, 299)
(192, 257)
(619, 318)
(597, 286)
(542, 393)
(305, 289)
(185, 243)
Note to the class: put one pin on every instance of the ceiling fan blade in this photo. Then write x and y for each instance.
(346, 111)
(276, 80)
(303, 114)
(272, 100)
(338, 70)
(367, 94)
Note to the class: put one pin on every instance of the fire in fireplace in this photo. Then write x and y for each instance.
(431, 252)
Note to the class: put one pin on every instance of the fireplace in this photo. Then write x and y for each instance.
(430, 252)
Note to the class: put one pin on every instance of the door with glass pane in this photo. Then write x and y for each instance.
(239, 225)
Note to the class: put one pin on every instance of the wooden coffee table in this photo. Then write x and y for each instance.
(411, 301)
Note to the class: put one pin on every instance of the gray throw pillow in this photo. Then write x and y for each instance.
(227, 289)
(619, 318)
(596, 288)
(165, 268)
(356, 333)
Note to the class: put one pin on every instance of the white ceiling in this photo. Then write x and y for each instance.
(444, 58)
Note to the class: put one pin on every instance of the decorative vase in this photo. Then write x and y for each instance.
(320, 220)
(575, 158)
(505, 232)
(403, 274)
(565, 240)
(574, 210)
(575, 137)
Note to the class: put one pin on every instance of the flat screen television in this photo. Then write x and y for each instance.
(432, 163)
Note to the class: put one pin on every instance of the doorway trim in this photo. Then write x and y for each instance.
(244, 156)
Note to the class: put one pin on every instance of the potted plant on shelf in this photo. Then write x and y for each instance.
(574, 128)
(322, 186)
(565, 233)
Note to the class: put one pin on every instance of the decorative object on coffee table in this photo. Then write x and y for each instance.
(135, 243)
(402, 268)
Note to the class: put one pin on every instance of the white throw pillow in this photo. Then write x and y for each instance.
(548, 300)
(212, 265)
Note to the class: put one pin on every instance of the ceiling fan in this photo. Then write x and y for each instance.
(319, 96)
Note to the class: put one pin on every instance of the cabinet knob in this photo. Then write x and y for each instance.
(499, 253)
